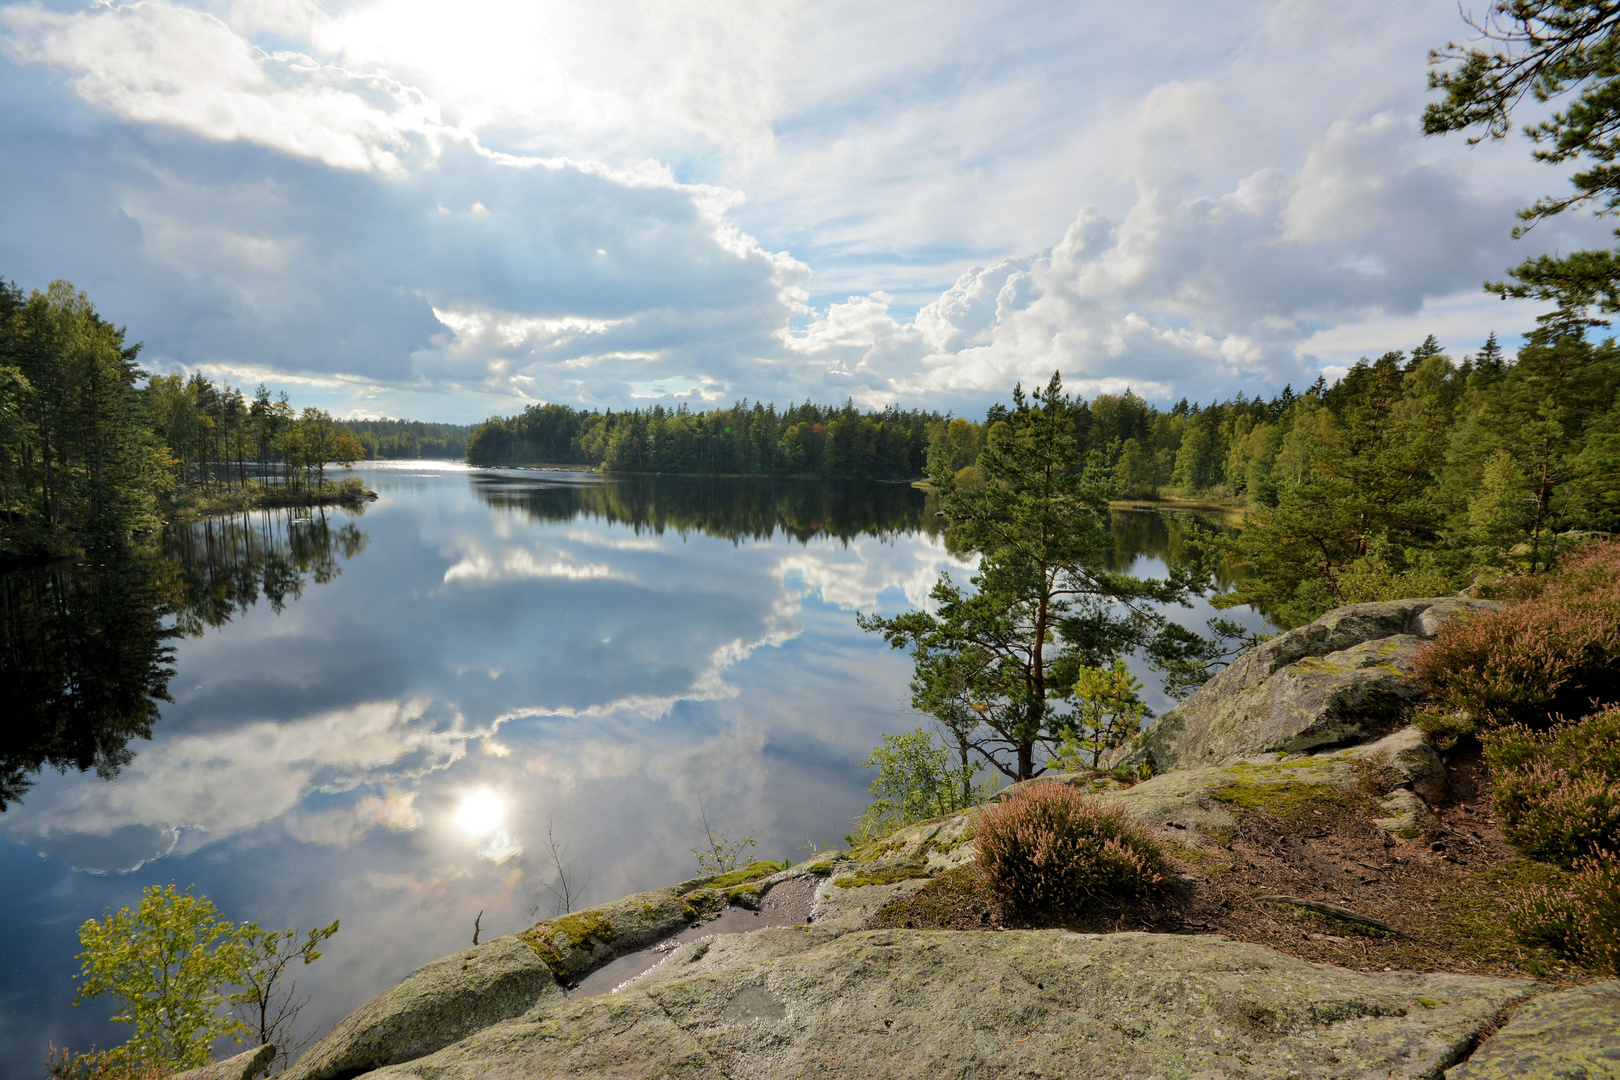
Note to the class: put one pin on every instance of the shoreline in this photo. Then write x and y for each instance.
(599, 471)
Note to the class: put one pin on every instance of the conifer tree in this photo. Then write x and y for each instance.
(1043, 603)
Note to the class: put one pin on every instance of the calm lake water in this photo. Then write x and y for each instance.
(376, 717)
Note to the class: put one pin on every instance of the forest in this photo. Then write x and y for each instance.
(1414, 474)
(1414, 471)
(836, 442)
(94, 450)
(410, 438)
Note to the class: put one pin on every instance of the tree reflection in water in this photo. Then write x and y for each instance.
(85, 653)
(725, 507)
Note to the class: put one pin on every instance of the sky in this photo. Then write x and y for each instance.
(447, 211)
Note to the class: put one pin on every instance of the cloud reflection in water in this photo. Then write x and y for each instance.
(595, 657)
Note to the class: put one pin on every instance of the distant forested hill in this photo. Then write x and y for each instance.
(745, 439)
(410, 438)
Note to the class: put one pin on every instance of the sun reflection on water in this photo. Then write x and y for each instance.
(481, 812)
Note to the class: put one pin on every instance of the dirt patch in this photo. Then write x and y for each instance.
(1446, 894)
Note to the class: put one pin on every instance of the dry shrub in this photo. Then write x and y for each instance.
(1047, 850)
(62, 1063)
(1581, 917)
(1554, 652)
(1558, 792)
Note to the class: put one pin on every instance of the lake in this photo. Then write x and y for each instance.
(378, 717)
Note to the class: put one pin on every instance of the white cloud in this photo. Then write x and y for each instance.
(151, 63)
(854, 575)
(519, 563)
(1191, 294)
(343, 826)
(452, 211)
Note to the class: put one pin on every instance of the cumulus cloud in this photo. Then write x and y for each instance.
(452, 212)
(1191, 294)
(151, 63)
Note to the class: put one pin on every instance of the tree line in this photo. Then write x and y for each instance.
(1413, 470)
(94, 450)
(410, 438)
(750, 439)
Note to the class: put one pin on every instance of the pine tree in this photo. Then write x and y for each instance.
(1043, 604)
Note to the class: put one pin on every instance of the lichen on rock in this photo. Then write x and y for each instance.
(1573, 1035)
(243, 1066)
(432, 1007)
(1026, 1003)
(1340, 680)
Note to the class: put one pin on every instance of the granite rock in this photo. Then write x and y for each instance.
(244, 1066)
(1569, 1035)
(1037, 1003)
(432, 1007)
(1340, 680)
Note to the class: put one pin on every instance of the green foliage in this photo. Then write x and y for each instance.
(915, 782)
(166, 962)
(1557, 652)
(991, 665)
(955, 445)
(1105, 711)
(76, 457)
(1558, 791)
(1544, 50)
(315, 441)
(1353, 501)
(1048, 851)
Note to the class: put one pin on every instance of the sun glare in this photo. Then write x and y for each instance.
(481, 812)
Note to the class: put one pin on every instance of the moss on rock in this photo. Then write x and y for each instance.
(1285, 799)
(887, 876)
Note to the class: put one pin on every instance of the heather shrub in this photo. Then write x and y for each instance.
(1047, 850)
(1556, 652)
(1558, 792)
(1580, 917)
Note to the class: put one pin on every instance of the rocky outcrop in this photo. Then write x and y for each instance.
(1570, 1035)
(1020, 1003)
(577, 944)
(1342, 679)
(432, 1007)
(244, 1066)
(444, 1001)
(1305, 717)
